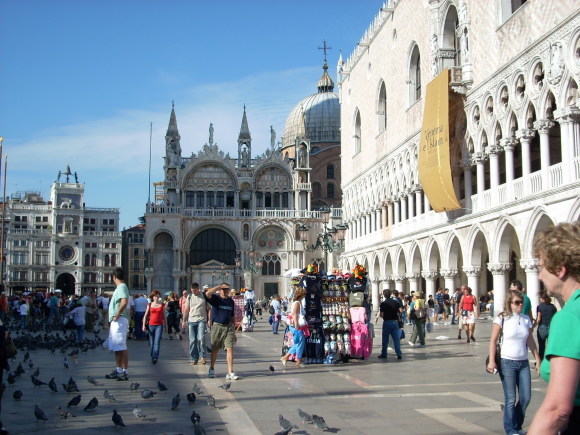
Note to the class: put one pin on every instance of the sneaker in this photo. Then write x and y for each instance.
(421, 345)
(169, 338)
(382, 356)
(399, 356)
(232, 377)
(473, 338)
(154, 360)
(202, 361)
(211, 373)
(112, 375)
(123, 376)
(411, 344)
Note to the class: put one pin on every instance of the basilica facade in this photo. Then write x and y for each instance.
(221, 218)
(514, 141)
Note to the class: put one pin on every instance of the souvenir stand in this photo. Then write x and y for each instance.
(337, 315)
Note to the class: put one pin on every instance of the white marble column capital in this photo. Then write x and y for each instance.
(543, 125)
(529, 264)
(448, 273)
(498, 268)
(429, 274)
(508, 143)
(473, 271)
(525, 134)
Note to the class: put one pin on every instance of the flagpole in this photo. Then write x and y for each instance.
(2, 262)
(149, 184)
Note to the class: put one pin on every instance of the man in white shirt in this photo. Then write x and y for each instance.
(140, 306)
(195, 314)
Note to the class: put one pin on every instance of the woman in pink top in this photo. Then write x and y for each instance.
(155, 318)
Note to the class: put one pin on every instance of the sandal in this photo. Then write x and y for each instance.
(284, 362)
(300, 366)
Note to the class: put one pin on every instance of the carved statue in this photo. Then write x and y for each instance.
(210, 133)
(301, 157)
(463, 12)
(244, 158)
(272, 138)
(556, 64)
(58, 177)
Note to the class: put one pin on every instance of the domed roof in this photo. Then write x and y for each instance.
(321, 112)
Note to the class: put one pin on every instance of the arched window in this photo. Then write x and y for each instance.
(382, 108)
(415, 75)
(94, 260)
(212, 244)
(330, 190)
(357, 133)
(449, 41)
(330, 171)
(107, 260)
(87, 260)
(114, 260)
(271, 265)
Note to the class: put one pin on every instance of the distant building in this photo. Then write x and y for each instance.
(511, 137)
(133, 255)
(60, 244)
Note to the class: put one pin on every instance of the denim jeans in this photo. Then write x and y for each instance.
(197, 339)
(155, 333)
(80, 333)
(53, 314)
(22, 322)
(138, 317)
(515, 375)
(391, 329)
(276, 323)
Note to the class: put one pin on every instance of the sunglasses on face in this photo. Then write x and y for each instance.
(517, 302)
(225, 289)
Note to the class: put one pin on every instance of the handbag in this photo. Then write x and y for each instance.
(497, 350)
(9, 347)
(271, 310)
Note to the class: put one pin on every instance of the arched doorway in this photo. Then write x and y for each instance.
(66, 283)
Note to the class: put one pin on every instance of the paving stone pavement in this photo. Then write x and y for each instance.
(439, 389)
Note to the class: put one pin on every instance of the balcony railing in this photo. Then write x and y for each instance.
(228, 213)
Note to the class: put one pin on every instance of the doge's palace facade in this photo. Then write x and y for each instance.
(514, 141)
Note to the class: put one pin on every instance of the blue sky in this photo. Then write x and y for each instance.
(80, 81)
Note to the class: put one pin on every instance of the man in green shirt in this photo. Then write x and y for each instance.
(558, 252)
(119, 327)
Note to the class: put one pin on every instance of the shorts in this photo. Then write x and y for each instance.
(118, 334)
(222, 336)
(469, 319)
(441, 309)
(447, 310)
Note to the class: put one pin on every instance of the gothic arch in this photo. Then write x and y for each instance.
(504, 235)
(400, 261)
(478, 245)
(381, 111)
(538, 221)
(453, 250)
(433, 254)
(574, 215)
(416, 260)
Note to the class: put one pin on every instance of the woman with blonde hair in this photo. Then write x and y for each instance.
(297, 327)
(514, 369)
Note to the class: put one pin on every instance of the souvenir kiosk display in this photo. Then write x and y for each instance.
(336, 308)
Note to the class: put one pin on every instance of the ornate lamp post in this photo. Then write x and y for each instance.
(221, 276)
(329, 240)
(253, 266)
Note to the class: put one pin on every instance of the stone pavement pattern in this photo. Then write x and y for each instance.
(440, 389)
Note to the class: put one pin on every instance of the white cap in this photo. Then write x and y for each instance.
(206, 286)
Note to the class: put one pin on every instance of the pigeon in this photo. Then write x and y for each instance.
(195, 418)
(92, 380)
(210, 401)
(74, 401)
(271, 369)
(37, 382)
(52, 385)
(191, 397)
(319, 422)
(161, 386)
(285, 424)
(92, 405)
(72, 386)
(306, 418)
(17, 395)
(19, 369)
(138, 413)
(196, 389)
(283, 432)
(26, 356)
(11, 378)
(36, 372)
(109, 396)
(64, 414)
(147, 394)
(117, 419)
(31, 364)
(39, 414)
(175, 402)
(134, 386)
(198, 430)
(226, 386)
(65, 363)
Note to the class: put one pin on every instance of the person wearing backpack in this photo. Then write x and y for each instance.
(276, 311)
(419, 315)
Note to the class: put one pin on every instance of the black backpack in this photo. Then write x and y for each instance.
(271, 310)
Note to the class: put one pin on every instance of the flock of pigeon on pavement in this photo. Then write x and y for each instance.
(57, 341)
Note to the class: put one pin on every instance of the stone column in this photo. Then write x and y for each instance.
(493, 151)
(396, 217)
(568, 119)
(418, 200)
(403, 207)
(399, 282)
(509, 144)
(430, 276)
(413, 281)
(385, 282)
(479, 160)
(530, 266)
(525, 136)
(391, 215)
(427, 205)
(466, 164)
(543, 126)
(472, 273)
(449, 275)
(375, 292)
(411, 197)
(500, 276)
(384, 215)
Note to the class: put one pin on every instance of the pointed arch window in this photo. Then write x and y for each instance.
(87, 260)
(94, 260)
(114, 260)
(330, 171)
(107, 260)
(271, 265)
(382, 108)
(414, 75)
(357, 133)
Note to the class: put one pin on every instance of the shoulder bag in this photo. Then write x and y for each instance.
(497, 349)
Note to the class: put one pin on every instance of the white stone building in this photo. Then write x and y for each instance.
(60, 244)
(514, 141)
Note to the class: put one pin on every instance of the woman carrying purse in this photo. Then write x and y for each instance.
(296, 327)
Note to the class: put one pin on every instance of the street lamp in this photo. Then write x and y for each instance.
(329, 240)
(220, 277)
(253, 266)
